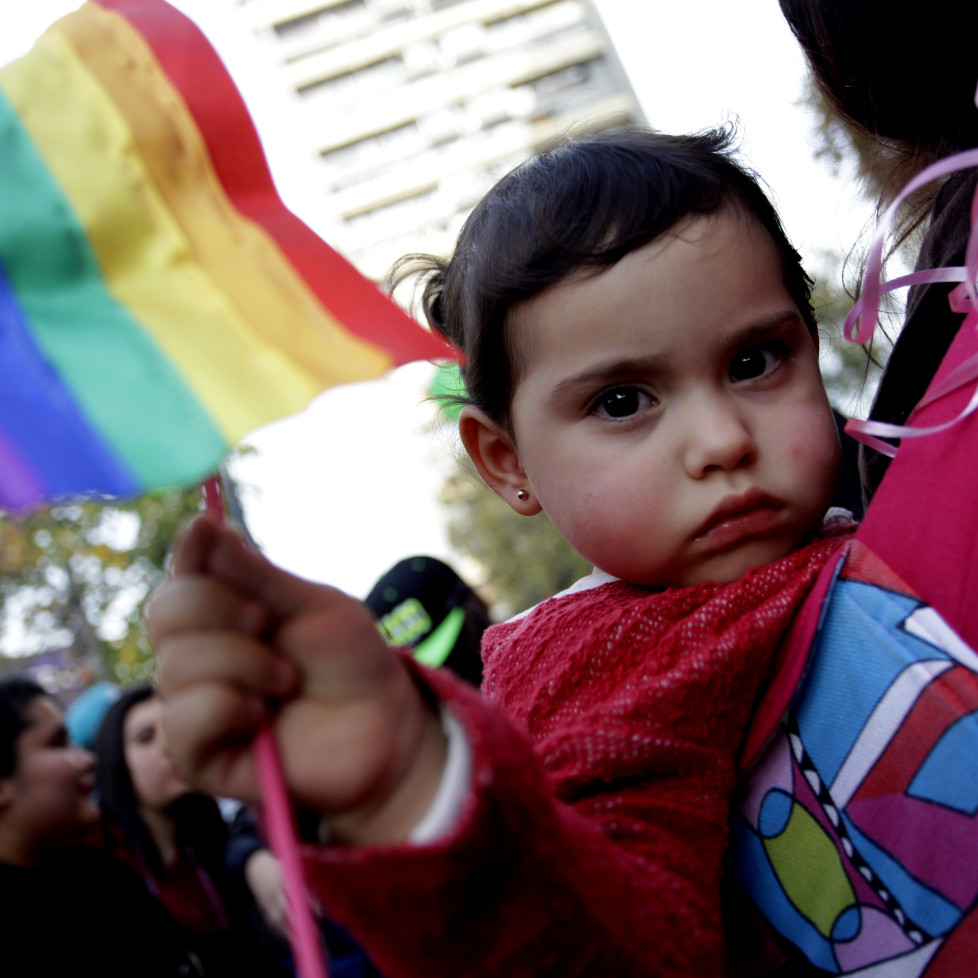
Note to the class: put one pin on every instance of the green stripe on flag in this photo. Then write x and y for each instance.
(130, 392)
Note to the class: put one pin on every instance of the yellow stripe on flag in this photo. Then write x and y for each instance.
(146, 260)
(240, 257)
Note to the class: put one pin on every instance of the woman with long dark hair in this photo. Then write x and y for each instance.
(907, 94)
(172, 836)
(66, 906)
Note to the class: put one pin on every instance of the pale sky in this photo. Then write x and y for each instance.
(342, 491)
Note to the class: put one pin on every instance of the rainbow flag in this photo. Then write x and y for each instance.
(157, 299)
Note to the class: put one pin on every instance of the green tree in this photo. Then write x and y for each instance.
(74, 577)
(839, 146)
(850, 371)
(879, 169)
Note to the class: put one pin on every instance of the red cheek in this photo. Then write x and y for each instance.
(799, 448)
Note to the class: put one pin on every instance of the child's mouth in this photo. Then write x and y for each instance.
(740, 526)
(738, 518)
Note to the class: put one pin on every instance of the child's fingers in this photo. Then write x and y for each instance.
(209, 730)
(193, 549)
(339, 649)
(253, 575)
(186, 660)
(214, 549)
(211, 547)
(193, 603)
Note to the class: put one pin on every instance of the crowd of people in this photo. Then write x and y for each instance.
(51, 856)
(563, 803)
(150, 876)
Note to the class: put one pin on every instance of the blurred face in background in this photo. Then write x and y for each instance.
(46, 802)
(155, 780)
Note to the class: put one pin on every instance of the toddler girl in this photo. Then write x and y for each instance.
(642, 365)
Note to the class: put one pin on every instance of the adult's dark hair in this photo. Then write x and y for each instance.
(199, 822)
(907, 84)
(16, 694)
(588, 201)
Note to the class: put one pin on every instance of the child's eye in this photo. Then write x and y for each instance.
(755, 362)
(621, 402)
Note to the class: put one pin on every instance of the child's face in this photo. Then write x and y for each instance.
(670, 418)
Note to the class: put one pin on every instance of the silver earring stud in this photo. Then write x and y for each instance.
(522, 494)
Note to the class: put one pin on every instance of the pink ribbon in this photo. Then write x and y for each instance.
(861, 321)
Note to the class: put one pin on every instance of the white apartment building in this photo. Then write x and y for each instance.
(413, 108)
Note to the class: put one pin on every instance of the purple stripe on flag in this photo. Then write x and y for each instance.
(19, 485)
(48, 445)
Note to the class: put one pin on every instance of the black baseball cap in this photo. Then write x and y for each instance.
(419, 603)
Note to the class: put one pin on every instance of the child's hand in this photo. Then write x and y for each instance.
(235, 637)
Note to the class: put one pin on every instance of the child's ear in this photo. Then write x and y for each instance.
(495, 457)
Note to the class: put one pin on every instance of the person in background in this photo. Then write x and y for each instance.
(852, 834)
(172, 836)
(908, 91)
(65, 906)
(248, 858)
(423, 604)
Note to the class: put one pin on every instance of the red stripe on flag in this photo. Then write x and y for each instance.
(199, 75)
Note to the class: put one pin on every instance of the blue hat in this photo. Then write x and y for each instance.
(84, 715)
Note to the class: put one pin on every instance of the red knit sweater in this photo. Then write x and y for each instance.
(604, 756)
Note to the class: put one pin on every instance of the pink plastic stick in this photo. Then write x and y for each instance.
(306, 944)
(307, 947)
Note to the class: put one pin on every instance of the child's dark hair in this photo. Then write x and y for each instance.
(16, 694)
(588, 201)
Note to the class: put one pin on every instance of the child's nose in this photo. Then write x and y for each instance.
(718, 438)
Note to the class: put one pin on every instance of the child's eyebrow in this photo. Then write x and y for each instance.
(767, 327)
(750, 333)
(609, 372)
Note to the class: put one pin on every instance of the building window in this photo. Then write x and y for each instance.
(365, 151)
(309, 24)
(369, 77)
